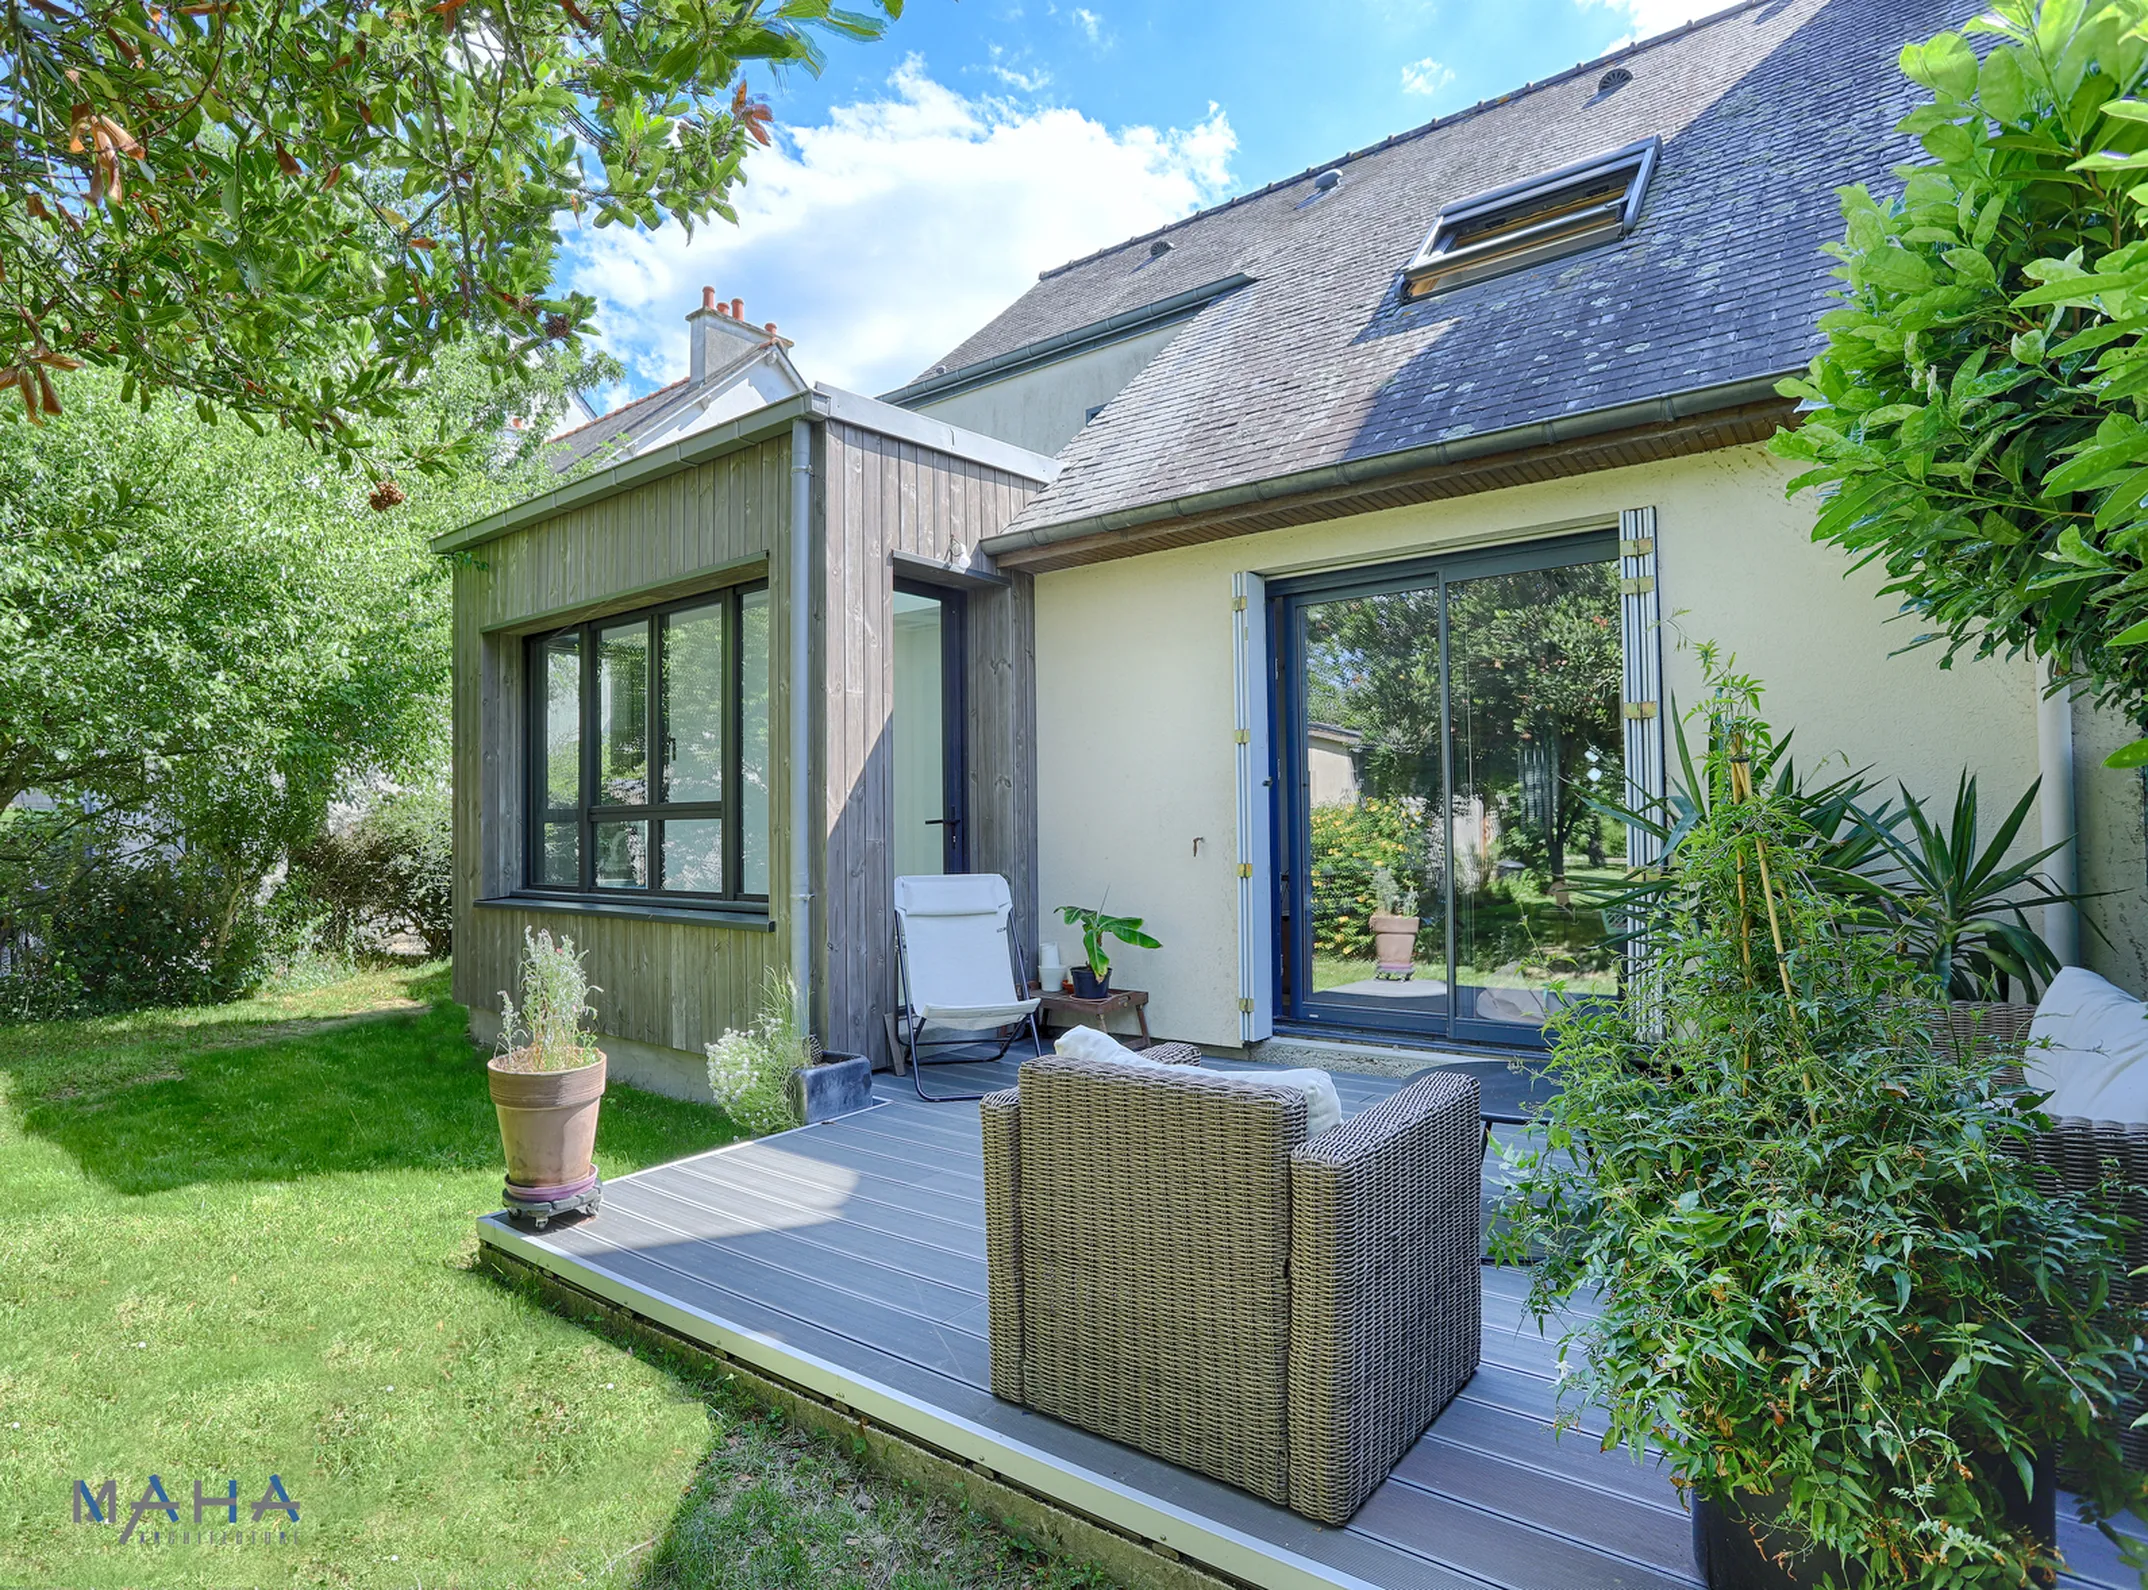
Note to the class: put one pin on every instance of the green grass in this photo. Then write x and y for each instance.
(239, 1241)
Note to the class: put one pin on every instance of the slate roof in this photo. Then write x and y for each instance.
(1763, 110)
(570, 447)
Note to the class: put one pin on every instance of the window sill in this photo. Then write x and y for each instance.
(743, 918)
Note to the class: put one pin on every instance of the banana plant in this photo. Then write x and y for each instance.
(1096, 927)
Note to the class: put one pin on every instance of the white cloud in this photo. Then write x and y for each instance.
(1650, 17)
(1035, 80)
(882, 238)
(1426, 77)
(1090, 23)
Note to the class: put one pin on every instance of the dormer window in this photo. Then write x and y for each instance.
(1525, 223)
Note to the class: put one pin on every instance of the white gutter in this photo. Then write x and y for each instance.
(801, 748)
(2055, 808)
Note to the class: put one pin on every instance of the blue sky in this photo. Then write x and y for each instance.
(922, 182)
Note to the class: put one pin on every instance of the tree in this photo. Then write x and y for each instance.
(1976, 420)
(286, 209)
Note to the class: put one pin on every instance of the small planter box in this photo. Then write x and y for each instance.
(840, 1084)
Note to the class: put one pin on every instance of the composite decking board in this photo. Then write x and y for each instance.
(959, 1204)
(1488, 1497)
(886, 1159)
(1502, 1545)
(1653, 1537)
(861, 1207)
(1473, 1426)
(917, 1270)
(1367, 1559)
(900, 1133)
(959, 1351)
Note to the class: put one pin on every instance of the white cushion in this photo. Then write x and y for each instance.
(2088, 1048)
(1323, 1106)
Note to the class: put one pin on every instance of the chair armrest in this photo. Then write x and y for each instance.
(1172, 1054)
(1385, 1300)
(1001, 1116)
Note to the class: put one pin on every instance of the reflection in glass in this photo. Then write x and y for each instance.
(918, 728)
(1372, 789)
(1536, 667)
(695, 658)
(561, 663)
(623, 855)
(623, 715)
(753, 764)
(559, 857)
(693, 854)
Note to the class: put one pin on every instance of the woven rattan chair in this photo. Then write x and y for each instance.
(2105, 1160)
(1173, 1265)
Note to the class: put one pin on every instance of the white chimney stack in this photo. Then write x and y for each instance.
(717, 334)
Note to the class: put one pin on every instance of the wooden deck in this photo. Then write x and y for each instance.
(848, 1259)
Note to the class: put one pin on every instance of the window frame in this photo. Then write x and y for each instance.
(1565, 227)
(588, 814)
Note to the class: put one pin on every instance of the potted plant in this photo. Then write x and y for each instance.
(1829, 1293)
(1092, 975)
(773, 1076)
(546, 1080)
(1394, 926)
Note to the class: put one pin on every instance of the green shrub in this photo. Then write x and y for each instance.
(101, 931)
(750, 1071)
(388, 873)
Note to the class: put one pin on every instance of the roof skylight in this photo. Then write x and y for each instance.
(1525, 223)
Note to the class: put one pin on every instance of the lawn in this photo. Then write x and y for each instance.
(237, 1242)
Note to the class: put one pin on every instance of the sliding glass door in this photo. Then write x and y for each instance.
(1443, 724)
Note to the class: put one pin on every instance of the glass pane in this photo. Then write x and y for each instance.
(753, 763)
(623, 855)
(694, 664)
(559, 856)
(560, 663)
(1537, 666)
(623, 715)
(693, 854)
(918, 728)
(1371, 785)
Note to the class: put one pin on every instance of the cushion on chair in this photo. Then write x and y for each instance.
(1323, 1105)
(2088, 1047)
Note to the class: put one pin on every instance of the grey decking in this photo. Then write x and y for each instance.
(849, 1258)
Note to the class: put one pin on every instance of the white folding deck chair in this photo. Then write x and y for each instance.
(958, 968)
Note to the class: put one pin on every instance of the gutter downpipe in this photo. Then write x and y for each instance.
(801, 727)
(2055, 809)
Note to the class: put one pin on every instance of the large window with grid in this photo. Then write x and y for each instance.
(649, 758)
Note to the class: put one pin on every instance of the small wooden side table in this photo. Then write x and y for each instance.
(1078, 1011)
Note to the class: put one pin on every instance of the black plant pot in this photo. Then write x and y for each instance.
(1732, 1541)
(1087, 985)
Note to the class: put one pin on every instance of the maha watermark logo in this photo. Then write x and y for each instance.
(156, 1517)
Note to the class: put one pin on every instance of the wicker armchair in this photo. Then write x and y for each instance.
(1173, 1265)
(2106, 1160)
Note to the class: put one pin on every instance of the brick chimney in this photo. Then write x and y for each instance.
(718, 333)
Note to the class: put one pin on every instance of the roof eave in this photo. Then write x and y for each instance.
(1017, 546)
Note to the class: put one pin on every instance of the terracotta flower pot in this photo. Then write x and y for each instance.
(1394, 944)
(548, 1122)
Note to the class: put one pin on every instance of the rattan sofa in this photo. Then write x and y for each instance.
(2105, 1160)
(1173, 1265)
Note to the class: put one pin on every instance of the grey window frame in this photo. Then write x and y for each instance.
(588, 813)
(1440, 265)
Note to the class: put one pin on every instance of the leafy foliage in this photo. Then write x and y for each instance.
(750, 1071)
(288, 209)
(1975, 418)
(1949, 900)
(387, 872)
(1096, 926)
(1823, 1275)
(545, 1031)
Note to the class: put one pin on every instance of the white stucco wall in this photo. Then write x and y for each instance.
(1042, 408)
(1135, 760)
